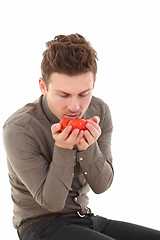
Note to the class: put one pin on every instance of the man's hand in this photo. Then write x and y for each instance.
(65, 138)
(83, 139)
(91, 134)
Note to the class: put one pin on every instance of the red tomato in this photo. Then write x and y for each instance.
(78, 123)
(75, 123)
(64, 123)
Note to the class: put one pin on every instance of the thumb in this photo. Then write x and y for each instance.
(55, 127)
(96, 119)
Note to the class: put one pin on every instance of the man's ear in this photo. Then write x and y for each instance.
(42, 86)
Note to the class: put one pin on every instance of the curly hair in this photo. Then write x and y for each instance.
(68, 54)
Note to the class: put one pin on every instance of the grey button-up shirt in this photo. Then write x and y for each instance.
(46, 178)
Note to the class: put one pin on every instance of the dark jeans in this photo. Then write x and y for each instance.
(88, 228)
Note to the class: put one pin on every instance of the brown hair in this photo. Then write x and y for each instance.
(68, 54)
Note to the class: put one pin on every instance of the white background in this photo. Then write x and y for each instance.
(126, 36)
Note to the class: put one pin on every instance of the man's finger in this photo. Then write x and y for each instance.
(55, 128)
(65, 133)
(94, 124)
(79, 136)
(96, 119)
(72, 137)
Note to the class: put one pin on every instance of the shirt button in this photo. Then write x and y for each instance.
(75, 199)
(85, 173)
(80, 158)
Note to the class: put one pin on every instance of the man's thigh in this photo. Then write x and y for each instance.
(123, 230)
(62, 229)
(75, 232)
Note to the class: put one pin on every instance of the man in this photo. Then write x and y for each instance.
(51, 170)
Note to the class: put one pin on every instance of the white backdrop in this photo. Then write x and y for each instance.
(126, 36)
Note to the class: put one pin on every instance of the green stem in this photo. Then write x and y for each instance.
(78, 116)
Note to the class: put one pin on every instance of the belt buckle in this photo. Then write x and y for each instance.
(87, 213)
(81, 214)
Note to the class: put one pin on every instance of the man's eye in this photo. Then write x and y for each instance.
(63, 96)
(83, 95)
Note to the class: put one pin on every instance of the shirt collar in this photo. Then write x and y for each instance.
(51, 117)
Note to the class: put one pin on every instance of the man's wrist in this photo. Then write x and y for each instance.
(62, 146)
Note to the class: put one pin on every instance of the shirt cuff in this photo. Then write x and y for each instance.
(90, 155)
(62, 165)
(64, 156)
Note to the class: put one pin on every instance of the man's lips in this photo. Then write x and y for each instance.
(72, 115)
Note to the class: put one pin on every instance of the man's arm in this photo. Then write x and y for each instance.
(48, 186)
(94, 149)
(96, 160)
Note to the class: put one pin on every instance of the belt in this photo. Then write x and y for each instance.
(25, 224)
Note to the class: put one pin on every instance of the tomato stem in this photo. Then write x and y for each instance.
(78, 116)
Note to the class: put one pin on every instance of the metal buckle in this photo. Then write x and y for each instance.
(80, 214)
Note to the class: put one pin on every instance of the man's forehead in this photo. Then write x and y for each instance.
(70, 84)
(56, 75)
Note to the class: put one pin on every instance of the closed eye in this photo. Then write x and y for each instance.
(67, 95)
(83, 95)
(63, 96)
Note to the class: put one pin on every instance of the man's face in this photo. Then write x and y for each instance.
(68, 96)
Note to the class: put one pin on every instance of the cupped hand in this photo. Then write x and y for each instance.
(83, 139)
(66, 138)
(91, 134)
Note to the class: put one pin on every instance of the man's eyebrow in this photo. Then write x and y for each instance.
(60, 91)
(87, 90)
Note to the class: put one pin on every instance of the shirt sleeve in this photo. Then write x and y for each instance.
(44, 180)
(96, 161)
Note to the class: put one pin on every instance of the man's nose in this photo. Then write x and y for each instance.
(73, 105)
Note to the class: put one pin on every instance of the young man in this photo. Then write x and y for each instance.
(51, 170)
